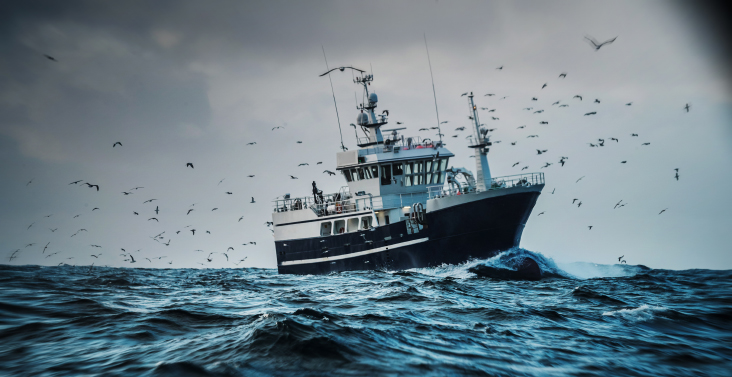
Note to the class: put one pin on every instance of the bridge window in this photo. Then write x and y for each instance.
(347, 174)
(354, 175)
(375, 171)
(385, 175)
(361, 175)
(367, 173)
(429, 179)
(428, 166)
(325, 228)
(398, 169)
(407, 180)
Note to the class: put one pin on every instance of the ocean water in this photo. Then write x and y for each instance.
(582, 320)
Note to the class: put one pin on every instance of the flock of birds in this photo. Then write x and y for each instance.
(599, 143)
(160, 238)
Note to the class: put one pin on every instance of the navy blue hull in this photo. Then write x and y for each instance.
(453, 235)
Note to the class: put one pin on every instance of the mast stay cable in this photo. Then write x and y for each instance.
(439, 131)
(343, 147)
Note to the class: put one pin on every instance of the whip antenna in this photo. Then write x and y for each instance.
(343, 147)
(439, 131)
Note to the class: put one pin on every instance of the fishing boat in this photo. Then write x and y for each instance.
(402, 206)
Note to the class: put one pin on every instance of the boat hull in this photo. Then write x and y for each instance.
(451, 234)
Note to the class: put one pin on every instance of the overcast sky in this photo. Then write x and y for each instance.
(191, 81)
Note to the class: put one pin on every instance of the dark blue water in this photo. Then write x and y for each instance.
(69, 321)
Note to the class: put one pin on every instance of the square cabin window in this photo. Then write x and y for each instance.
(339, 227)
(352, 225)
(325, 228)
(366, 223)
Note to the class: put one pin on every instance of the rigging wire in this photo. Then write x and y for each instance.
(343, 147)
(439, 131)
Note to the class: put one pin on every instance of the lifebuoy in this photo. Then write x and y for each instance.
(342, 230)
(339, 208)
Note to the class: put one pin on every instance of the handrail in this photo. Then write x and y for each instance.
(497, 183)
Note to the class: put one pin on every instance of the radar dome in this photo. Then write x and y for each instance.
(362, 119)
(373, 98)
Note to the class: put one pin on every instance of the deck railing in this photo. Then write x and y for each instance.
(401, 143)
(497, 183)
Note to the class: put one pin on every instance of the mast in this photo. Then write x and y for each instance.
(480, 142)
(368, 119)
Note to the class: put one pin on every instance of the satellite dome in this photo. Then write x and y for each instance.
(362, 119)
(373, 98)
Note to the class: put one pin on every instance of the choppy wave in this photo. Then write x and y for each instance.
(581, 319)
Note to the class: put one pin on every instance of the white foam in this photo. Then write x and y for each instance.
(639, 314)
(509, 259)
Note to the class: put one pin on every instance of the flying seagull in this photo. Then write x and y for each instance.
(687, 107)
(189, 164)
(329, 172)
(578, 96)
(664, 210)
(598, 45)
(252, 200)
(342, 69)
(115, 144)
(51, 58)
(562, 75)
